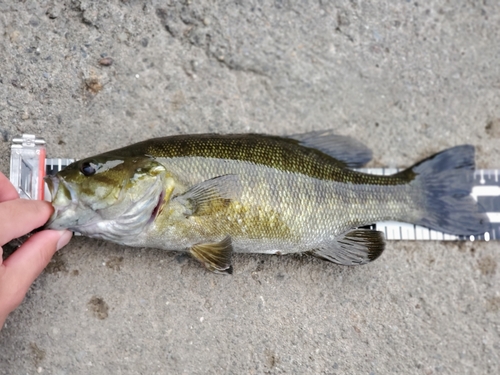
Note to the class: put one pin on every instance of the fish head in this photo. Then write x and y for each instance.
(107, 197)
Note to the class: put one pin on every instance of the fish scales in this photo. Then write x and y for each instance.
(285, 211)
(214, 194)
(275, 152)
(325, 207)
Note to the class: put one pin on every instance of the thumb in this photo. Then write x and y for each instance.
(27, 262)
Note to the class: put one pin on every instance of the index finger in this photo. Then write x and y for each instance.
(20, 216)
(7, 190)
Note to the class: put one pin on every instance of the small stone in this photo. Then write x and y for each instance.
(106, 61)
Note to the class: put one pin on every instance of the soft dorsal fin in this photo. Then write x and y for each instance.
(345, 149)
(215, 256)
(210, 195)
(357, 246)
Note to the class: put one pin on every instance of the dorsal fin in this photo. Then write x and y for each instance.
(350, 151)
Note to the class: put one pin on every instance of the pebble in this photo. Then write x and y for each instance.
(106, 61)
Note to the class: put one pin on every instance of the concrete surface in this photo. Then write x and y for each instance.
(407, 78)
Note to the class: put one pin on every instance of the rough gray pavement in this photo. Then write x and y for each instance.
(406, 78)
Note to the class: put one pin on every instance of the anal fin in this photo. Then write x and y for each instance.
(215, 256)
(355, 247)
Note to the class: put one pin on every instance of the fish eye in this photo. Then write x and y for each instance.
(88, 169)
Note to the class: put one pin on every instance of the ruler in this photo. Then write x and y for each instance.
(486, 191)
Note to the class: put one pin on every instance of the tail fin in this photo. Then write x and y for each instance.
(447, 179)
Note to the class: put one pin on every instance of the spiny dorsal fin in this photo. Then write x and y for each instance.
(348, 150)
(357, 246)
(215, 256)
(210, 195)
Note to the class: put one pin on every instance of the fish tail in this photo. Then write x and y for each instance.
(446, 180)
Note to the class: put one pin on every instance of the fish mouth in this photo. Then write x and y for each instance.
(61, 197)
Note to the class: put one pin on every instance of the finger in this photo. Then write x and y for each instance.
(7, 190)
(22, 268)
(20, 216)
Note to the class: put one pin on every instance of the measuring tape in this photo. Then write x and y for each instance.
(29, 165)
(485, 191)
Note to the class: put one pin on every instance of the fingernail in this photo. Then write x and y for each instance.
(64, 239)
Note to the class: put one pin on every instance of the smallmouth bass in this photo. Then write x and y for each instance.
(212, 194)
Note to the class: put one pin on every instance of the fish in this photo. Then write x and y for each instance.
(214, 194)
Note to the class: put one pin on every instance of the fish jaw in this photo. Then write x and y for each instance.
(64, 202)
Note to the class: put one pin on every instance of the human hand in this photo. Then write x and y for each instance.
(19, 270)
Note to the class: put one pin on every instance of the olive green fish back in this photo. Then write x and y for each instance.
(284, 154)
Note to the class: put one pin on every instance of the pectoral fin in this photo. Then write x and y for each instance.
(357, 246)
(215, 256)
(210, 195)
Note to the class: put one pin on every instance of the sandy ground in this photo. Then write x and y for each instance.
(406, 78)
